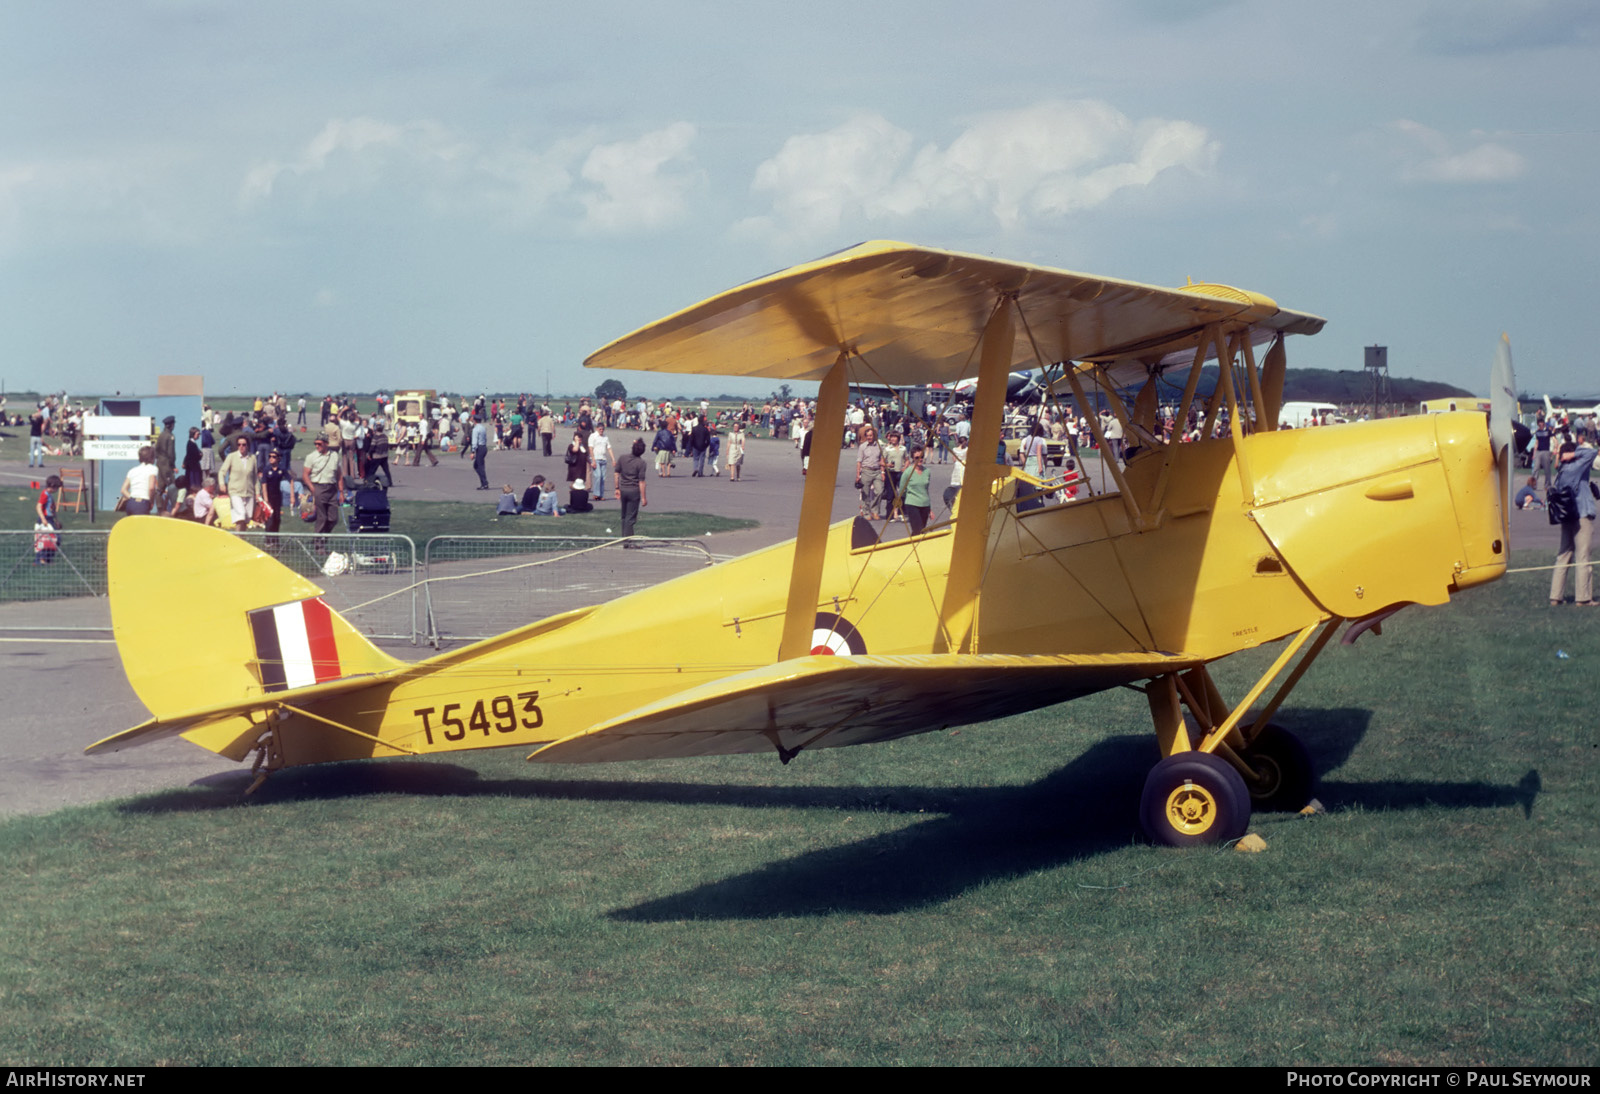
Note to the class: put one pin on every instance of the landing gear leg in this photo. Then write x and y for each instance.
(268, 759)
(1204, 788)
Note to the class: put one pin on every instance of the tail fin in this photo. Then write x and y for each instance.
(204, 619)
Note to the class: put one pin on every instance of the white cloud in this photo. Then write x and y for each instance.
(641, 183)
(818, 179)
(631, 184)
(1041, 162)
(353, 154)
(1428, 156)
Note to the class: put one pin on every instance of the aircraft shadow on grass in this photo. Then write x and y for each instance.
(1079, 810)
(971, 835)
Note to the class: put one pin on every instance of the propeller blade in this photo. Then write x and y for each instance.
(1502, 397)
(1502, 412)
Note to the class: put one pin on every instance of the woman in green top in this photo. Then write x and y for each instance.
(914, 492)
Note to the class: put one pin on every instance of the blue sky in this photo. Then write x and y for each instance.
(346, 195)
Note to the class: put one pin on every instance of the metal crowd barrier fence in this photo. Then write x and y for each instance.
(371, 580)
(75, 568)
(464, 588)
(482, 586)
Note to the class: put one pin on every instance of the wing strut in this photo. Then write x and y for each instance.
(1108, 461)
(1180, 423)
(1247, 481)
(816, 506)
(972, 529)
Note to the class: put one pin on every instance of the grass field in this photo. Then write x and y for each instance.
(972, 896)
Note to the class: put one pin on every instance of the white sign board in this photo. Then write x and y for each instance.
(100, 425)
(111, 450)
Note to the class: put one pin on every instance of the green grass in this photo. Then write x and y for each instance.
(421, 520)
(974, 896)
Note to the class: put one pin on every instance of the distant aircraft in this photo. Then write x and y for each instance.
(1454, 402)
(1298, 415)
(1553, 411)
(1025, 386)
(1019, 601)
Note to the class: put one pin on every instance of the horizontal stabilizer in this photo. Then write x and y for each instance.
(830, 702)
(142, 734)
(180, 722)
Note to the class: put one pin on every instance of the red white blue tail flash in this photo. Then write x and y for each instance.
(295, 645)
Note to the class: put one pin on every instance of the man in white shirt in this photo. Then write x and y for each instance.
(349, 425)
(480, 452)
(1111, 426)
(603, 455)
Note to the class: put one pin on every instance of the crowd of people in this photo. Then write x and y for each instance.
(55, 428)
(238, 470)
(1562, 450)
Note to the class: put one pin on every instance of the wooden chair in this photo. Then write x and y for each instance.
(72, 491)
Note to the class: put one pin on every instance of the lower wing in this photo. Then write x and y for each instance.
(830, 702)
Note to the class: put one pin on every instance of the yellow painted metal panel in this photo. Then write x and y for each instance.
(1355, 541)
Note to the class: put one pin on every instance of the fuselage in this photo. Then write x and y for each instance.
(1223, 548)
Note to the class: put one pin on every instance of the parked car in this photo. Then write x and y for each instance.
(1014, 433)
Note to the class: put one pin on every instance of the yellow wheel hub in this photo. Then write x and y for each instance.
(1191, 809)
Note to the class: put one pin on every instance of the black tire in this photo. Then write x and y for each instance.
(1192, 799)
(1287, 774)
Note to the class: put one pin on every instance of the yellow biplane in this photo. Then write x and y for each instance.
(1200, 550)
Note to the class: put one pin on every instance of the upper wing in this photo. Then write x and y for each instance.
(828, 702)
(915, 316)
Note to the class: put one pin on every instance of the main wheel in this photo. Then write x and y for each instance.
(1194, 798)
(1283, 766)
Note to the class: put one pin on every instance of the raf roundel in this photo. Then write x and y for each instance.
(837, 636)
